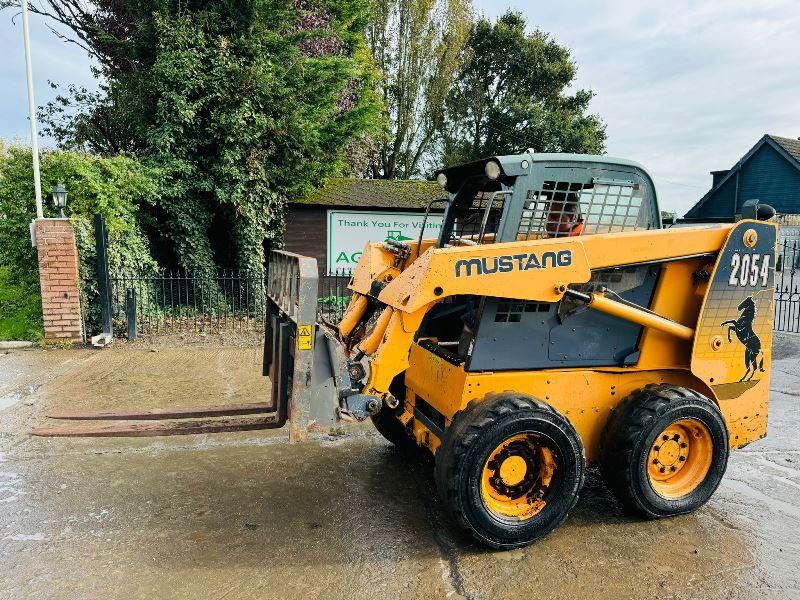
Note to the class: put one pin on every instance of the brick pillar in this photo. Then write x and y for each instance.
(58, 276)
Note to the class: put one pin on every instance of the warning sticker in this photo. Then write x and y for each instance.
(305, 337)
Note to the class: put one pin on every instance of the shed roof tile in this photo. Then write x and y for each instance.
(373, 193)
(791, 145)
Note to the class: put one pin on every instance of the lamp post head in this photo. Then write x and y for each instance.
(59, 195)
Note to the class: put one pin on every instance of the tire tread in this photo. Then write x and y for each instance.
(630, 418)
(468, 425)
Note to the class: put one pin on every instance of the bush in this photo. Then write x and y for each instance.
(20, 309)
(115, 187)
(240, 105)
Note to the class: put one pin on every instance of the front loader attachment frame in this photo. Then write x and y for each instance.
(296, 355)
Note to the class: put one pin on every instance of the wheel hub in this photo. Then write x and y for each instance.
(680, 458)
(514, 469)
(517, 476)
(669, 454)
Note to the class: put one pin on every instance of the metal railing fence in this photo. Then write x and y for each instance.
(181, 301)
(787, 287)
(334, 296)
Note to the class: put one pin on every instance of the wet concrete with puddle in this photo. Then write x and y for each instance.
(246, 515)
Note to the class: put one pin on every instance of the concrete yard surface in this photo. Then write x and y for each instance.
(246, 515)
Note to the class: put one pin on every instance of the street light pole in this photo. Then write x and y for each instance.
(37, 182)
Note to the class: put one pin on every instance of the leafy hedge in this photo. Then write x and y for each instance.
(115, 187)
(20, 309)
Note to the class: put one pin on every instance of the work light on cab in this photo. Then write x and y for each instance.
(492, 169)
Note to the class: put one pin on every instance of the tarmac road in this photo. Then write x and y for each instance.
(246, 515)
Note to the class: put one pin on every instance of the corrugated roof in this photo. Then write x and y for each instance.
(791, 145)
(374, 193)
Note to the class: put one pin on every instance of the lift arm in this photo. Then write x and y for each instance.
(537, 270)
(633, 313)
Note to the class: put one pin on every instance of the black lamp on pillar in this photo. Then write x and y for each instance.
(59, 195)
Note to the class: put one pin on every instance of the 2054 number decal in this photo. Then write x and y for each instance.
(749, 269)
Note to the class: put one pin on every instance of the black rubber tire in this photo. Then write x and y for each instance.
(387, 423)
(390, 427)
(630, 432)
(467, 444)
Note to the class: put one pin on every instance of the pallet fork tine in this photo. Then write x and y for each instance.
(162, 428)
(158, 414)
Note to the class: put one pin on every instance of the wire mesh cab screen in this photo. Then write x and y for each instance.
(474, 217)
(564, 208)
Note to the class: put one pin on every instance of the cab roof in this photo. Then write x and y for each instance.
(512, 165)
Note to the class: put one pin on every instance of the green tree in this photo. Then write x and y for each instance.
(417, 45)
(510, 95)
(237, 104)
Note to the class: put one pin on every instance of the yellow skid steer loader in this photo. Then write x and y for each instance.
(553, 324)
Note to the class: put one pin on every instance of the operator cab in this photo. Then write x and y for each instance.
(542, 196)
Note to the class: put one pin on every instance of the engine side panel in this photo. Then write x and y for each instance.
(585, 396)
(733, 344)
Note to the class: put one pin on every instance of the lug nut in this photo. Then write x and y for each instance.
(683, 444)
(665, 438)
(676, 437)
(656, 448)
(672, 468)
(663, 469)
(681, 458)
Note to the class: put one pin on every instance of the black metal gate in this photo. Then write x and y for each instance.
(180, 301)
(787, 287)
(163, 302)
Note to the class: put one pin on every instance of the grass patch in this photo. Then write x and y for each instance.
(20, 310)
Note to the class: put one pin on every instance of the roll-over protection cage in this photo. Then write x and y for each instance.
(545, 195)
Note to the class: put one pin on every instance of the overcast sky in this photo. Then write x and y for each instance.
(685, 87)
(52, 59)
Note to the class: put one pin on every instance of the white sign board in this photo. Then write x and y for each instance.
(349, 232)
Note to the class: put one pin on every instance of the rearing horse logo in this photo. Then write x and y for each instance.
(743, 328)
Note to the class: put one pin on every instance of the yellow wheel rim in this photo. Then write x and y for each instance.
(517, 476)
(680, 458)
